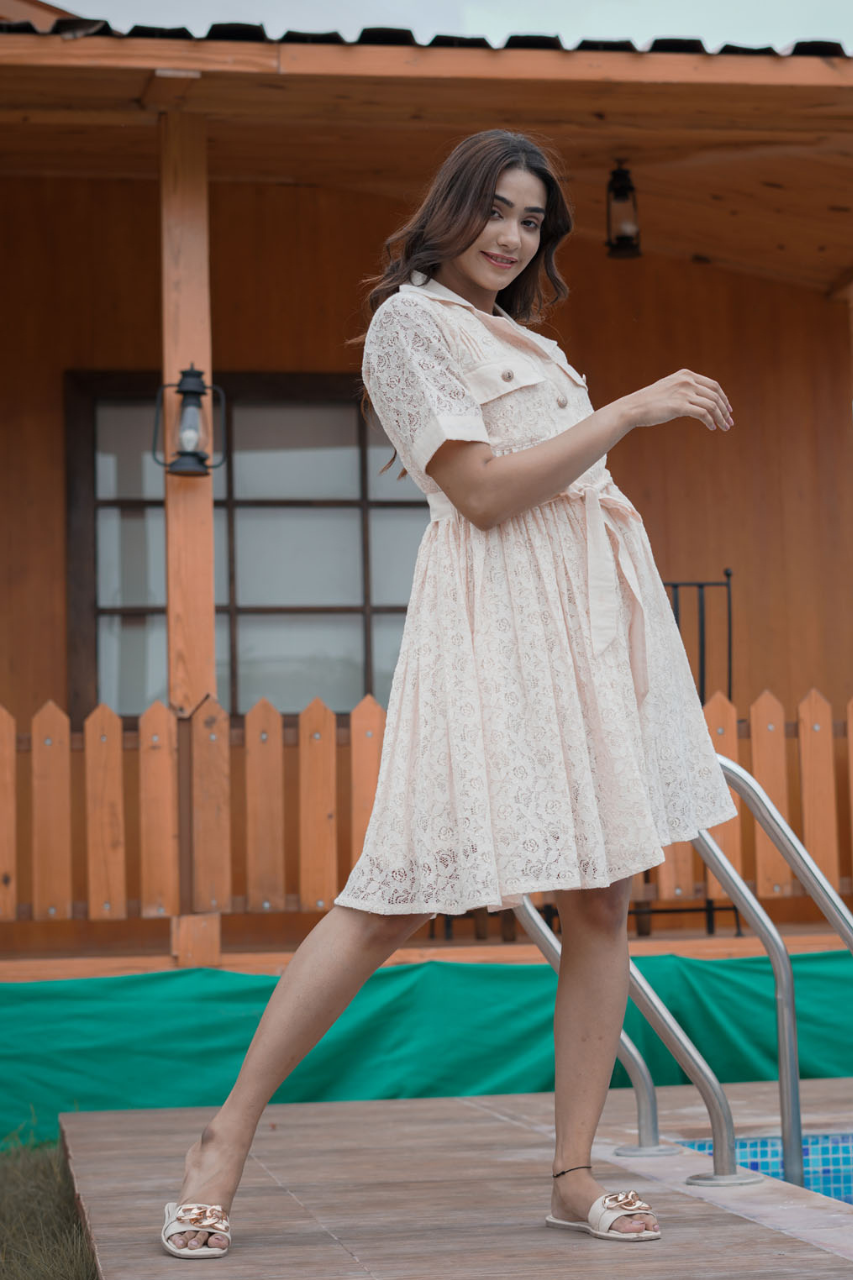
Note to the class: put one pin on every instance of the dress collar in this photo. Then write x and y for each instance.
(421, 283)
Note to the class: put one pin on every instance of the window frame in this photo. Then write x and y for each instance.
(83, 390)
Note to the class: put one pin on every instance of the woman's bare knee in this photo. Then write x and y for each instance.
(604, 909)
(386, 930)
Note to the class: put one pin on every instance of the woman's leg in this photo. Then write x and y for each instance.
(326, 971)
(592, 993)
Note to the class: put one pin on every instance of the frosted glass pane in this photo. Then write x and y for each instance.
(387, 635)
(131, 557)
(132, 663)
(292, 659)
(124, 467)
(296, 451)
(299, 556)
(395, 535)
(220, 555)
(220, 484)
(379, 450)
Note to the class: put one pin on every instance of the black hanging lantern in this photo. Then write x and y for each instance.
(190, 460)
(623, 223)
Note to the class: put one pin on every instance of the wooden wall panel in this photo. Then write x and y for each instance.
(95, 307)
(769, 498)
(8, 818)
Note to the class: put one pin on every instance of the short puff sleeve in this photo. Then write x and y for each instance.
(415, 384)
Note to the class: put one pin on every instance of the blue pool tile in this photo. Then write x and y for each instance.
(827, 1160)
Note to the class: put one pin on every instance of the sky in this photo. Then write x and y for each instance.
(749, 22)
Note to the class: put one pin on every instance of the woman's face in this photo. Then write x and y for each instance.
(506, 244)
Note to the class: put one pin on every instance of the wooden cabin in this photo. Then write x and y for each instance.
(194, 670)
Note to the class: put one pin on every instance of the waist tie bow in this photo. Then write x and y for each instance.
(601, 570)
(601, 575)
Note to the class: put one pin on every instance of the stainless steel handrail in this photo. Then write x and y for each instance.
(786, 1018)
(791, 848)
(680, 1046)
(688, 1057)
(648, 1132)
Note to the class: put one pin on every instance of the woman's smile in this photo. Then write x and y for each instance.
(499, 260)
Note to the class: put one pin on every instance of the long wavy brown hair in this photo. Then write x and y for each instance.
(454, 211)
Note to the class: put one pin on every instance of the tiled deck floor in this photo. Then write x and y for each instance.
(457, 1187)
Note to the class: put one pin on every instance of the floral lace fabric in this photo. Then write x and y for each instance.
(519, 753)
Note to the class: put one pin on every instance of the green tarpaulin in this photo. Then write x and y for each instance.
(413, 1031)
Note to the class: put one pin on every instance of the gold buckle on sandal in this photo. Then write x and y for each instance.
(625, 1200)
(203, 1215)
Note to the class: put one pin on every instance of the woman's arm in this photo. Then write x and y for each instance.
(487, 489)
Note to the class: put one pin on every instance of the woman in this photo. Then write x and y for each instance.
(543, 729)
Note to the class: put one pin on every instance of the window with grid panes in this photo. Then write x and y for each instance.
(313, 563)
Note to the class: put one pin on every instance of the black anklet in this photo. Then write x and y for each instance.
(575, 1166)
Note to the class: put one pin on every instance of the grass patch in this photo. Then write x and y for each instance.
(41, 1236)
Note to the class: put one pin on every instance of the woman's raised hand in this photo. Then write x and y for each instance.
(683, 394)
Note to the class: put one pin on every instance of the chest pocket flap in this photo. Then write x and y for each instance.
(563, 363)
(497, 377)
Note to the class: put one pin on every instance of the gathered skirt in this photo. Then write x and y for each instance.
(543, 728)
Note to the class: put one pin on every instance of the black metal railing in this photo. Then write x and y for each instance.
(700, 587)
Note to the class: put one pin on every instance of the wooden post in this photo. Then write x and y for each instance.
(186, 340)
(197, 940)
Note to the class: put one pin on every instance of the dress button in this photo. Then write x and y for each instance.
(562, 401)
(507, 375)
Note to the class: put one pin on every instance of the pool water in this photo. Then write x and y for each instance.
(827, 1160)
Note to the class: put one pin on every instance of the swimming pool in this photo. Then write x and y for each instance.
(827, 1160)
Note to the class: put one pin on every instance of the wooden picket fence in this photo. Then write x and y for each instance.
(202, 816)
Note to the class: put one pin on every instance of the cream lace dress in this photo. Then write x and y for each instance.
(543, 728)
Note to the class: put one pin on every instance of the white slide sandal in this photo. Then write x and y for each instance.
(195, 1217)
(604, 1211)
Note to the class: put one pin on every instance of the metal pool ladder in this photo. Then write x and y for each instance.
(672, 1034)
